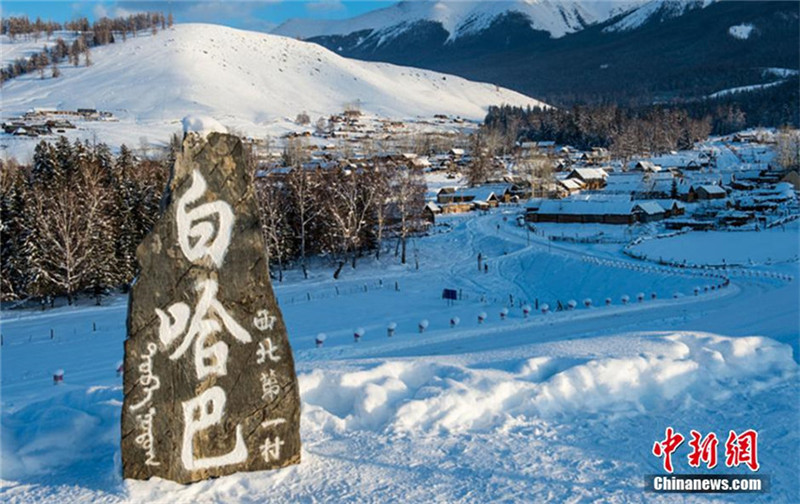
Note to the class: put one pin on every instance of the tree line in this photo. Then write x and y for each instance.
(87, 35)
(71, 221)
(625, 131)
(341, 212)
(632, 130)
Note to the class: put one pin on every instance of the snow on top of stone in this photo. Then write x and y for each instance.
(202, 125)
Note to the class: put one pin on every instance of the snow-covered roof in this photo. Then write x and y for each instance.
(589, 173)
(484, 192)
(572, 184)
(586, 207)
(711, 189)
(648, 166)
(669, 203)
(433, 207)
(650, 207)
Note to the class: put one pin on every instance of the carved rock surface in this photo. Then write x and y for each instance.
(210, 384)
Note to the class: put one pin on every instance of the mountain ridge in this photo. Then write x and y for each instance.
(662, 50)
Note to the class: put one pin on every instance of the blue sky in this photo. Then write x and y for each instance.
(253, 15)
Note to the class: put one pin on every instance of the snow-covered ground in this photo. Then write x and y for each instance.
(778, 244)
(25, 46)
(557, 407)
(252, 82)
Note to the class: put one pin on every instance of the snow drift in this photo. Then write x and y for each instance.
(423, 396)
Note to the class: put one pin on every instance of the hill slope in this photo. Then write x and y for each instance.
(244, 79)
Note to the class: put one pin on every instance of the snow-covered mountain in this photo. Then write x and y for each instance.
(656, 10)
(567, 51)
(244, 79)
(458, 18)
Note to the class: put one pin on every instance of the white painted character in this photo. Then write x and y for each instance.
(200, 413)
(210, 359)
(264, 321)
(271, 449)
(267, 352)
(270, 389)
(198, 236)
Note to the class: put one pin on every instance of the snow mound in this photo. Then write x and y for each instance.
(78, 426)
(406, 396)
(202, 125)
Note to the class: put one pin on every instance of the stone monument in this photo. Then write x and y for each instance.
(209, 380)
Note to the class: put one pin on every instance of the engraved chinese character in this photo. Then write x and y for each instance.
(271, 450)
(198, 236)
(208, 359)
(269, 386)
(199, 414)
(267, 352)
(264, 321)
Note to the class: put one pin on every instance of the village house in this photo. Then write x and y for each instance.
(735, 218)
(647, 167)
(594, 211)
(430, 211)
(568, 187)
(592, 178)
(707, 192)
(480, 197)
(672, 208)
(694, 224)
(598, 155)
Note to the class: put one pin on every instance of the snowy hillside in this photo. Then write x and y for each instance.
(557, 17)
(247, 80)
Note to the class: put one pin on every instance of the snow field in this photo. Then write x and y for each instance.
(556, 407)
(747, 248)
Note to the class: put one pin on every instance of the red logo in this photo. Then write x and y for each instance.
(703, 451)
(667, 447)
(740, 449)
